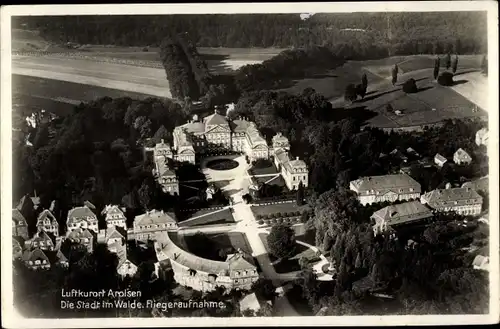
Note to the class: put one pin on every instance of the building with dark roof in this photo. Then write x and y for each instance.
(375, 189)
(400, 214)
(47, 222)
(36, 259)
(114, 216)
(82, 217)
(83, 236)
(19, 224)
(462, 200)
(42, 240)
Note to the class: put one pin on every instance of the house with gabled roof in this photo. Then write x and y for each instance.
(397, 215)
(47, 222)
(17, 247)
(482, 137)
(126, 267)
(440, 160)
(480, 185)
(57, 258)
(26, 206)
(42, 240)
(481, 262)
(462, 200)
(461, 157)
(83, 236)
(113, 237)
(114, 216)
(147, 225)
(373, 189)
(36, 259)
(82, 217)
(19, 224)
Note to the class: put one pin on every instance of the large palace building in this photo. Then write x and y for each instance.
(215, 133)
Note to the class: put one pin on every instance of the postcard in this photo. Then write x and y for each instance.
(250, 164)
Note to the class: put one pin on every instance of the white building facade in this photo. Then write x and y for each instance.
(390, 188)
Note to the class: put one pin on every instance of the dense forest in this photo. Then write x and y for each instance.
(187, 73)
(95, 154)
(337, 150)
(366, 33)
(431, 275)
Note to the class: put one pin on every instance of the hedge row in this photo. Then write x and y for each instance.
(289, 220)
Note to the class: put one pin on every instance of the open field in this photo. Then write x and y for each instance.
(219, 60)
(416, 109)
(209, 218)
(476, 89)
(31, 93)
(332, 84)
(114, 76)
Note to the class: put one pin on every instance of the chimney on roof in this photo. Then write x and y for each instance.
(52, 205)
(162, 140)
(448, 186)
(297, 158)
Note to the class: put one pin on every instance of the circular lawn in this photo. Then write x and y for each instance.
(222, 164)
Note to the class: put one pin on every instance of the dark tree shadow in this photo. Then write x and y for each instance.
(423, 89)
(467, 71)
(214, 57)
(359, 114)
(375, 96)
(459, 82)
(322, 76)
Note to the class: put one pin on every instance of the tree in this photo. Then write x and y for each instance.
(436, 68)
(145, 196)
(336, 211)
(395, 75)
(410, 86)
(161, 133)
(364, 82)
(358, 263)
(455, 65)
(360, 90)
(41, 137)
(281, 241)
(446, 79)
(300, 194)
(484, 64)
(350, 93)
(447, 62)
(264, 288)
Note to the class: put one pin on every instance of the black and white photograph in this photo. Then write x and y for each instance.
(239, 164)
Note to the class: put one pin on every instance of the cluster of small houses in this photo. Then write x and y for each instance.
(43, 249)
